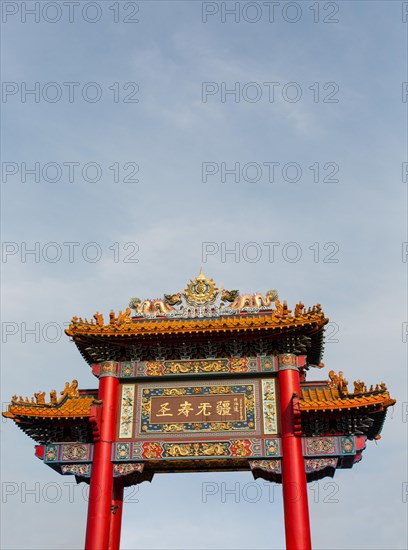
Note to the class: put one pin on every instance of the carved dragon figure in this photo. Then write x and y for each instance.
(250, 300)
(173, 299)
(156, 305)
(229, 295)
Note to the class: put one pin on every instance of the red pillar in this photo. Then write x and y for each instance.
(100, 494)
(116, 514)
(296, 508)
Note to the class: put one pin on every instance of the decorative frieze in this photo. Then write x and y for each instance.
(68, 452)
(264, 454)
(269, 406)
(81, 470)
(318, 464)
(189, 367)
(127, 404)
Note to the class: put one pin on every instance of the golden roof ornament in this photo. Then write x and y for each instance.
(201, 291)
(201, 307)
(202, 298)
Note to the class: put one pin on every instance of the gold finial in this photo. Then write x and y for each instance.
(201, 291)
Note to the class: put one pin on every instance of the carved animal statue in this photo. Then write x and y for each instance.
(99, 319)
(334, 380)
(173, 299)
(156, 305)
(135, 303)
(343, 383)
(40, 398)
(70, 389)
(281, 310)
(229, 295)
(270, 297)
(359, 386)
(243, 300)
(123, 317)
(299, 309)
(73, 389)
(254, 300)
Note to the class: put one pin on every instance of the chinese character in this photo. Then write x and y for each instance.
(236, 406)
(202, 409)
(164, 410)
(224, 408)
(185, 408)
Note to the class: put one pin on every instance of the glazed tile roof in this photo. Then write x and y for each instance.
(70, 408)
(324, 398)
(203, 311)
(116, 340)
(66, 418)
(264, 319)
(53, 421)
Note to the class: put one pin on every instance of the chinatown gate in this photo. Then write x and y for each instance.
(202, 380)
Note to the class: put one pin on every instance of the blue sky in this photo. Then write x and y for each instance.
(170, 55)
